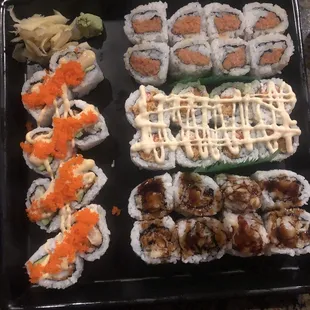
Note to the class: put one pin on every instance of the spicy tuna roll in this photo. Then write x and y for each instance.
(187, 23)
(240, 194)
(151, 199)
(196, 195)
(270, 54)
(247, 232)
(148, 62)
(202, 240)
(223, 21)
(156, 241)
(230, 56)
(147, 23)
(190, 57)
(289, 231)
(264, 18)
(282, 189)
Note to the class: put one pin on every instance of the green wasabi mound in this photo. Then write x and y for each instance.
(89, 25)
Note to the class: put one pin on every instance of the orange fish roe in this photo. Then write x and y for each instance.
(74, 241)
(70, 73)
(66, 186)
(64, 131)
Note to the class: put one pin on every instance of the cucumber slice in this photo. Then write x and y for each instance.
(42, 260)
(90, 68)
(79, 135)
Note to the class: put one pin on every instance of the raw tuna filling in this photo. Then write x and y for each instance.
(145, 66)
(187, 25)
(269, 21)
(190, 57)
(236, 59)
(147, 25)
(227, 22)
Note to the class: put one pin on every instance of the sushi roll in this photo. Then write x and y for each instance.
(157, 154)
(36, 101)
(98, 236)
(133, 103)
(270, 54)
(190, 57)
(240, 194)
(264, 18)
(46, 269)
(202, 240)
(223, 21)
(196, 195)
(156, 241)
(147, 23)
(282, 189)
(289, 232)
(230, 56)
(247, 234)
(83, 55)
(187, 23)
(151, 199)
(148, 62)
(90, 125)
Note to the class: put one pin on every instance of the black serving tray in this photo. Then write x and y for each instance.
(120, 277)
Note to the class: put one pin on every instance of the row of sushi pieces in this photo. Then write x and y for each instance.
(73, 73)
(149, 22)
(282, 228)
(264, 56)
(192, 194)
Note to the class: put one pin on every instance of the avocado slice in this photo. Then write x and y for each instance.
(80, 194)
(41, 168)
(42, 260)
(79, 134)
(89, 68)
(46, 221)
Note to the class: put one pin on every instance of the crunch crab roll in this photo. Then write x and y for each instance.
(148, 62)
(240, 194)
(151, 199)
(156, 241)
(147, 23)
(282, 189)
(247, 232)
(187, 23)
(196, 195)
(202, 240)
(264, 18)
(230, 56)
(223, 21)
(289, 231)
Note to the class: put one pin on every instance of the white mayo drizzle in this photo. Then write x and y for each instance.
(209, 140)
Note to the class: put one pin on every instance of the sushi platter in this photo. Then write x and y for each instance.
(152, 151)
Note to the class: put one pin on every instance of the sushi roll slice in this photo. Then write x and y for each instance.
(270, 54)
(151, 199)
(148, 62)
(190, 57)
(240, 194)
(156, 241)
(230, 56)
(84, 55)
(157, 154)
(247, 234)
(282, 189)
(147, 23)
(132, 105)
(202, 240)
(264, 18)
(46, 266)
(98, 236)
(196, 195)
(90, 125)
(289, 232)
(187, 23)
(41, 108)
(223, 21)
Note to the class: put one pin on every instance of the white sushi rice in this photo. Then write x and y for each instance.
(221, 48)
(265, 43)
(191, 9)
(135, 211)
(254, 11)
(105, 232)
(268, 202)
(154, 50)
(136, 231)
(145, 12)
(178, 68)
(211, 10)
